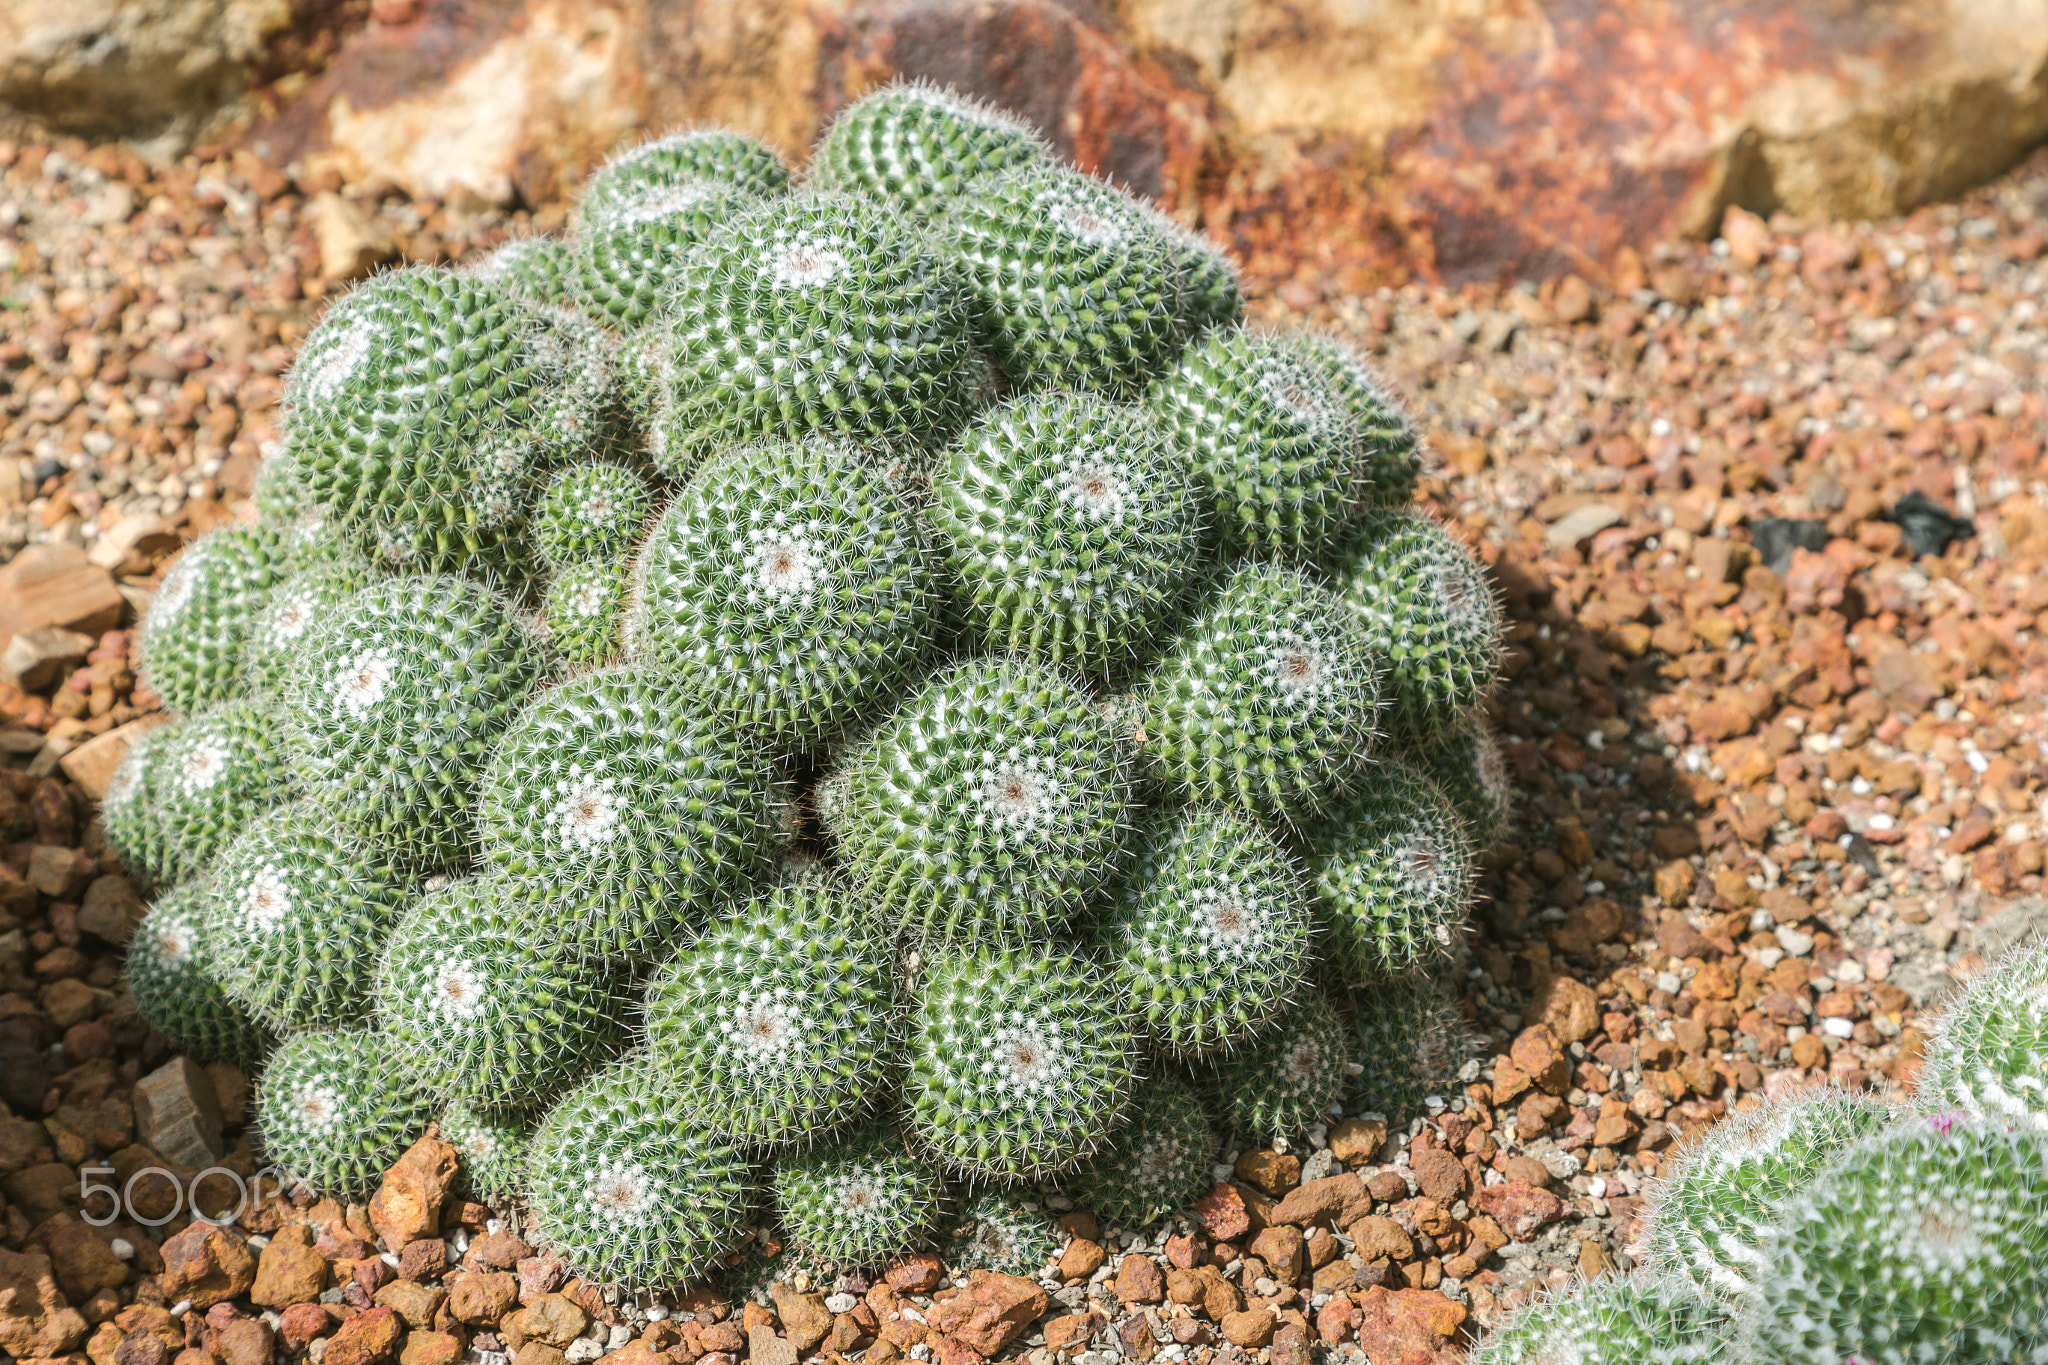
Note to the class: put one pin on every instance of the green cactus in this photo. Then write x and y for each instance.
(1209, 934)
(1464, 759)
(324, 579)
(493, 1152)
(299, 911)
(994, 804)
(765, 1258)
(623, 816)
(172, 977)
(1072, 531)
(583, 615)
(1162, 1160)
(1075, 284)
(824, 314)
(537, 270)
(1002, 1232)
(1211, 291)
(1267, 700)
(857, 1202)
(128, 810)
(1715, 1204)
(1021, 1064)
(1434, 623)
(1274, 444)
(1411, 1041)
(630, 1189)
(196, 632)
(920, 146)
(1285, 1079)
(395, 701)
(788, 588)
(1389, 451)
(427, 404)
(1921, 1243)
(202, 781)
(1640, 1320)
(590, 513)
(279, 490)
(780, 1022)
(335, 1110)
(1989, 1050)
(488, 1011)
(693, 156)
(1394, 868)
(631, 247)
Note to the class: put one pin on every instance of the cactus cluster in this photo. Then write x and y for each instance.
(1827, 1227)
(811, 705)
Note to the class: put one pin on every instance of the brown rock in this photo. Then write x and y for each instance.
(540, 1353)
(805, 1319)
(36, 658)
(110, 910)
(427, 1259)
(1528, 1170)
(990, 1313)
(497, 1251)
(1406, 1325)
(1248, 1329)
(300, 1323)
(34, 1319)
(1441, 1175)
(538, 1275)
(1269, 1171)
(207, 1265)
(83, 1262)
(178, 1116)
(1520, 1210)
(370, 1336)
(352, 242)
(555, 1320)
(480, 1298)
(1376, 1235)
(1386, 1186)
(1222, 1213)
(91, 765)
(418, 1304)
(434, 1348)
(1281, 1248)
(1067, 1329)
(289, 1271)
(56, 585)
(919, 1274)
(1332, 1201)
(764, 1347)
(407, 1206)
(1570, 1010)
(1356, 1140)
(1081, 1259)
(246, 1341)
(1184, 1251)
(1139, 1280)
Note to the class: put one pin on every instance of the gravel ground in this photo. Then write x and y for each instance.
(1780, 785)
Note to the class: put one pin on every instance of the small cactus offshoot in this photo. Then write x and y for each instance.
(857, 1201)
(172, 976)
(1639, 1320)
(1284, 1080)
(1465, 761)
(1006, 1233)
(693, 156)
(492, 1151)
(174, 805)
(1989, 1052)
(583, 616)
(1389, 452)
(336, 1109)
(197, 628)
(590, 513)
(1411, 1040)
(920, 146)
(1162, 1161)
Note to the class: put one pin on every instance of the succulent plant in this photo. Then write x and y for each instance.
(171, 975)
(1434, 623)
(920, 146)
(1411, 1040)
(993, 804)
(749, 312)
(395, 701)
(201, 781)
(1715, 1205)
(1208, 935)
(629, 1188)
(538, 270)
(631, 246)
(196, 630)
(1394, 868)
(316, 588)
(1021, 1064)
(1284, 1079)
(492, 1149)
(780, 1022)
(279, 490)
(1638, 1320)
(1267, 700)
(1003, 1232)
(694, 156)
(583, 615)
(787, 588)
(1074, 283)
(1072, 531)
(426, 405)
(622, 816)
(335, 1110)
(857, 1201)
(1389, 450)
(1211, 291)
(1464, 759)
(1161, 1161)
(590, 513)
(486, 1010)
(299, 910)
(1989, 1052)
(1920, 1243)
(1273, 441)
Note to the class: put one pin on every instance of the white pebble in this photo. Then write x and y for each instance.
(582, 1349)
(1840, 1028)
(123, 1248)
(620, 1335)
(181, 1308)
(841, 1303)
(1794, 941)
(657, 1312)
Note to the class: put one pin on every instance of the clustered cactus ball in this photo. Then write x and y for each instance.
(812, 707)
